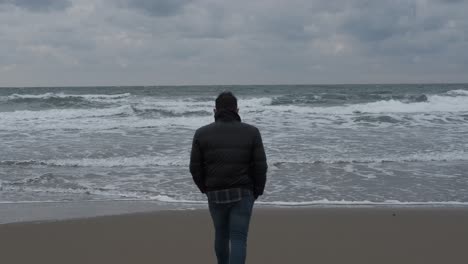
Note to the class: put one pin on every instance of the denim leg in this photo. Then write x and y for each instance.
(239, 227)
(220, 215)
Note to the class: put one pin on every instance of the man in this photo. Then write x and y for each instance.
(228, 164)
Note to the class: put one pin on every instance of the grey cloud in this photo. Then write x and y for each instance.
(39, 5)
(404, 28)
(155, 7)
(291, 29)
(377, 21)
(452, 1)
(65, 38)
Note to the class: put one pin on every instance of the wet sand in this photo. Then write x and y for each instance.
(282, 235)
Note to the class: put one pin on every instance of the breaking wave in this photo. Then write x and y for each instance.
(341, 98)
(182, 160)
(140, 161)
(433, 103)
(458, 92)
(17, 102)
(63, 96)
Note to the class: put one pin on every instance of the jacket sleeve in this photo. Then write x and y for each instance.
(259, 165)
(196, 164)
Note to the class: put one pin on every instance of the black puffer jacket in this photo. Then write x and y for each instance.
(228, 154)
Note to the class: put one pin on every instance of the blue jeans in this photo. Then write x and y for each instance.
(231, 222)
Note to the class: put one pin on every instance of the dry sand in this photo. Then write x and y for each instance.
(312, 235)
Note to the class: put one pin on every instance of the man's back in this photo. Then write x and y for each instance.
(231, 155)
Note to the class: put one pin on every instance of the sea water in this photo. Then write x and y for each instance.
(337, 144)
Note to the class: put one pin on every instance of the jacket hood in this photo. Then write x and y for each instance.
(226, 116)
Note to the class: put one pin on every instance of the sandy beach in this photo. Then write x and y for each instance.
(282, 235)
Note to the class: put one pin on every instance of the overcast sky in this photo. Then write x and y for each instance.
(160, 42)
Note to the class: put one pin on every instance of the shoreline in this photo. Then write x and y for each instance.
(47, 211)
(277, 235)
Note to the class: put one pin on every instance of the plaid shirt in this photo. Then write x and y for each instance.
(227, 195)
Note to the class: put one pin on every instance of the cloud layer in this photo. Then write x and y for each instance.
(38, 5)
(145, 42)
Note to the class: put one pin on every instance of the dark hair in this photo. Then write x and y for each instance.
(226, 100)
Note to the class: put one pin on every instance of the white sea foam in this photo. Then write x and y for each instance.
(64, 114)
(105, 194)
(140, 161)
(167, 199)
(254, 103)
(180, 106)
(323, 202)
(416, 157)
(175, 105)
(458, 92)
(365, 202)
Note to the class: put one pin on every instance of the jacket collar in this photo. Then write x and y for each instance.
(226, 116)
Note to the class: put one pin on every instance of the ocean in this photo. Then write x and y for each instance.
(325, 144)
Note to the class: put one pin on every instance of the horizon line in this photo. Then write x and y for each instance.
(211, 85)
